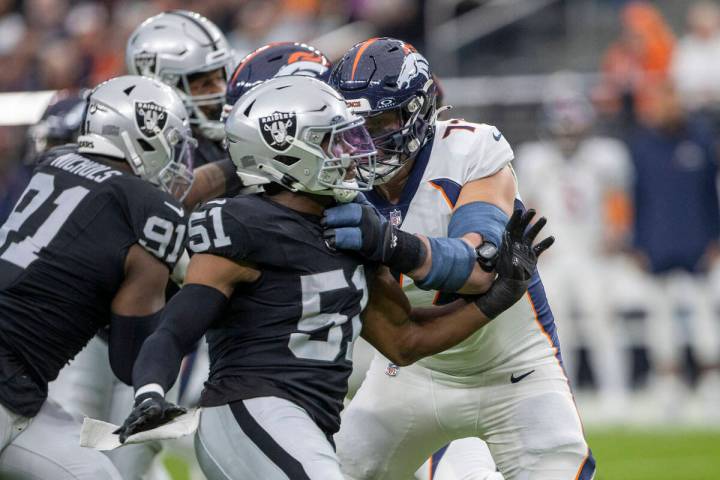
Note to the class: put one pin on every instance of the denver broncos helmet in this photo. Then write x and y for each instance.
(275, 60)
(60, 124)
(383, 75)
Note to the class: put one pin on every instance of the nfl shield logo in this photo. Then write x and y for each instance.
(150, 118)
(396, 218)
(145, 63)
(392, 370)
(278, 130)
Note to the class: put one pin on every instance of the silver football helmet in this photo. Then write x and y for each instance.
(174, 45)
(298, 132)
(144, 122)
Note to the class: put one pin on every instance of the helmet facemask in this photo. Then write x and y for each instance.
(176, 177)
(209, 124)
(349, 158)
(396, 147)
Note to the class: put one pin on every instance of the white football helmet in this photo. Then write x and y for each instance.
(174, 45)
(298, 132)
(144, 122)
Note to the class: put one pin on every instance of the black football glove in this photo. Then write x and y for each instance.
(151, 410)
(516, 263)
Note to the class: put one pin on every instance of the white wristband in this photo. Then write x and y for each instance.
(149, 388)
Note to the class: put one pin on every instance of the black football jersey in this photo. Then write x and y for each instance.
(290, 333)
(62, 257)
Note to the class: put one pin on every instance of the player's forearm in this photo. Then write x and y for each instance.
(211, 181)
(422, 332)
(185, 320)
(435, 334)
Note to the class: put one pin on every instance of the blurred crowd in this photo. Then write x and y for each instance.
(70, 44)
(636, 212)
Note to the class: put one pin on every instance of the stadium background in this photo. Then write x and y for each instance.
(499, 62)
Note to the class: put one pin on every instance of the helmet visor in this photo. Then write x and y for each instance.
(349, 157)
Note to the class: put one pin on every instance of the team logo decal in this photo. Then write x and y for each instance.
(278, 130)
(396, 218)
(392, 370)
(413, 65)
(304, 68)
(145, 63)
(150, 118)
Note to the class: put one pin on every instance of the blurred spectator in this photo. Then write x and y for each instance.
(59, 66)
(259, 22)
(580, 182)
(87, 23)
(696, 65)
(641, 54)
(45, 16)
(12, 27)
(676, 231)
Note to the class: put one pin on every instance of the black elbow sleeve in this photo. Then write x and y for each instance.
(126, 337)
(185, 319)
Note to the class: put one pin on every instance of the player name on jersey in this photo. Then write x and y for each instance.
(84, 167)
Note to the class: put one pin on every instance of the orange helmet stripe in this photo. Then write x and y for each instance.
(359, 53)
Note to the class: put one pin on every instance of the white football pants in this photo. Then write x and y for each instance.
(395, 423)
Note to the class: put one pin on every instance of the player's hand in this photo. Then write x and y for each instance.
(360, 228)
(151, 410)
(516, 263)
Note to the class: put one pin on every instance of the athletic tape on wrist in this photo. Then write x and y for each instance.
(453, 260)
(479, 217)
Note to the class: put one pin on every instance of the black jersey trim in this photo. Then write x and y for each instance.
(287, 463)
(199, 25)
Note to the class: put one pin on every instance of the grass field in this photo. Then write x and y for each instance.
(628, 454)
(632, 454)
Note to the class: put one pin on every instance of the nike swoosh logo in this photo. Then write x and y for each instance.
(514, 379)
(497, 136)
(178, 210)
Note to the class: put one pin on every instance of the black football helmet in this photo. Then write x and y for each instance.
(59, 124)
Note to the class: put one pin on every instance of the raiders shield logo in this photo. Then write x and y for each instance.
(278, 130)
(150, 118)
(145, 63)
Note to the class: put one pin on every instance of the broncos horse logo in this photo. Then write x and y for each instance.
(413, 65)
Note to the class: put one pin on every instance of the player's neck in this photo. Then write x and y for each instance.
(392, 190)
(303, 203)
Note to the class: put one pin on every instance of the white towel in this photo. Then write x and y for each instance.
(98, 434)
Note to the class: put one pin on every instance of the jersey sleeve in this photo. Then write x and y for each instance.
(158, 221)
(219, 228)
(490, 153)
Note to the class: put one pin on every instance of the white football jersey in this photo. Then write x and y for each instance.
(570, 191)
(460, 153)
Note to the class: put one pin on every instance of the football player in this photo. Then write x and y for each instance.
(281, 307)
(90, 243)
(582, 181)
(452, 182)
(275, 59)
(59, 125)
(187, 51)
